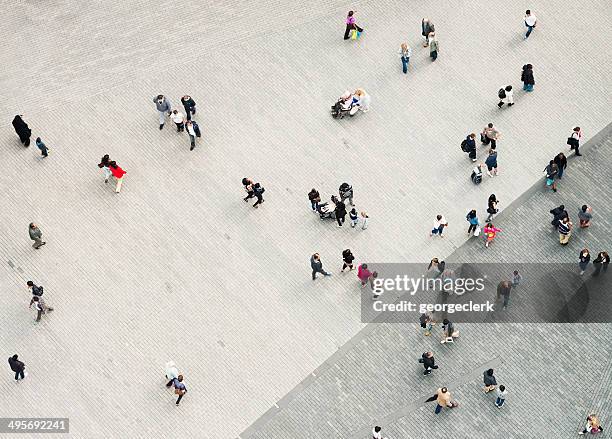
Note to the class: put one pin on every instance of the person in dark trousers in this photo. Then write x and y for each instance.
(530, 21)
(346, 192)
(340, 211)
(558, 214)
(354, 217)
(105, 166)
(585, 215)
(527, 77)
(469, 146)
(434, 46)
(506, 96)
(503, 290)
(314, 198)
(36, 236)
(43, 148)
(448, 332)
(193, 129)
(248, 187)
(427, 27)
(189, 105)
(17, 367)
(491, 135)
(491, 162)
(561, 162)
(489, 381)
(23, 131)
(583, 260)
(574, 140)
(317, 266)
(350, 25)
(473, 220)
(501, 396)
(601, 261)
(347, 258)
(551, 174)
(492, 209)
(258, 191)
(428, 362)
(179, 388)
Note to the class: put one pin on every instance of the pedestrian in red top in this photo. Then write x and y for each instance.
(118, 173)
(363, 274)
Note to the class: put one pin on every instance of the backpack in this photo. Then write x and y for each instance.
(501, 93)
(464, 145)
(258, 188)
(37, 290)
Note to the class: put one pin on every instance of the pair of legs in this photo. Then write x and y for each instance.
(320, 270)
(350, 198)
(348, 30)
(529, 30)
(491, 171)
(433, 55)
(488, 140)
(192, 140)
(527, 87)
(38, 243)
(189, 111)
(162, 118)
(119, 183)
(439, 408)
(405, 61)
(576, 147)
(564, 239)
(180, 127)
(314, 204)
(345, 266)
(438, 230)
(472, 228)
(499, 402)
(340, 220)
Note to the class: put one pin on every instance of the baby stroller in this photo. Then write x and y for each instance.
(477, 175)
(324, 212)
(345, 106)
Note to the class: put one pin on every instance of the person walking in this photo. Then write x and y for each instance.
(248, 187)
(558, 214)
(346, 192)
(489, 381)
(179, 120)
(516, 278)
(317, 266)
(364, 274)
(44, 151)
(491, 162)
(438, 226)
(171, 373)
(105, 166)
(585, 215)
(179, 388)
(427, 27)
(500, 396)
(39, 306)
(551, 171)
(503, 290)
(405, 52)
(527, 78)
(18, 367)
(351, 25)
(340, 211)
(364, 220)
(164, 107)
(530, 21)
(426, 323)
(472, 218)
(36, 236)
(315, 198)
(193, 129)
(189, 105)
(448, 332)
(258, 191)
(565, 230)
(118, 173)
(354, 217)
(34, 289)
(22, 129)
(490, 232)
(506, 96)
(561, 162)
(428, 362)
(443, 399)
(492, 208)
(574, 140)
(468, 145)
(491, 135)
(592, 425)
(601, 261)
(347, 258)
(583, 260)
(376, 433)
(434, 46)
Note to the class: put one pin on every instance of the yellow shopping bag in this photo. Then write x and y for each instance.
(354, 34)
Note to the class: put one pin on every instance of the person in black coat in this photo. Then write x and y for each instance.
(17, 367)
(601, 261)
(189, 105)
(428, 362)
(315, 199)
(558, 214)
(489, 381)
(561, 161)
(469, 146)
(23, 131)
(527, 77)
(340, 212)
(347, 258)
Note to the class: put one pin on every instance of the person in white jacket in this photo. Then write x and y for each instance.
(508, 99)
(405, 52)
(362, 100)
(171, 373)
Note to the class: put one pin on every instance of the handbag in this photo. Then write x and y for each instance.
(477, 231)
(354, 34)
(179, 391)
(572, 142)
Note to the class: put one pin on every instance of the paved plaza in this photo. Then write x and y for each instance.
(177, 267)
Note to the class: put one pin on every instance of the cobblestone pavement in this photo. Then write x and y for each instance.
(177, 266)
(554, 373)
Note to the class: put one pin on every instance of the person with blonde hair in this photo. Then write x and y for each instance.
(592, 425)
(405, 53)
(362, 100)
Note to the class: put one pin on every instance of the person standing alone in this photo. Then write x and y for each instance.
(43, 148)
(427, 27)
(36, 236)
(438, 226)
(530, 21)
(574, 140)
(317, 266)
(17, 367)
(527, 77)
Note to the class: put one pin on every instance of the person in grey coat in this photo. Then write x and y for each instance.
(36, 236)
(317, 266)
(163, 107)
